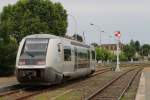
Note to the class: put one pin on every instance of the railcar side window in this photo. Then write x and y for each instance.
(93, 55)
(67, 53)
(83, 58)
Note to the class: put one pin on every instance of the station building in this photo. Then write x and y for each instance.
(113, 47)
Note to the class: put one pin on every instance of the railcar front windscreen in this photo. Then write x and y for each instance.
(34, 52)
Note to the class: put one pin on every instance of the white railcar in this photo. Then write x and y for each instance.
(47, 59)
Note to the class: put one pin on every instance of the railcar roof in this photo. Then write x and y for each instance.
(49, 36)
(42, 36)
(56, 37)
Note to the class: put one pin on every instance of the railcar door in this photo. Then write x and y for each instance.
(93, 61)
(88, 59)
(60, 56)
(68, 61)
(76, 59)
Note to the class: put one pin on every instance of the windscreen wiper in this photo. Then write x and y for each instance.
(29, 54)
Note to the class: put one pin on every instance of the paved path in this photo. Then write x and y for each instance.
(7, 80)
(144, 86)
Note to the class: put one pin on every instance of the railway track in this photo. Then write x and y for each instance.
(10, 88)
(101, 71)
(24, 93)
(115, 89)
(19, 92)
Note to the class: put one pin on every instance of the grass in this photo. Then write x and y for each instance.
(61, 94)
(73, 95)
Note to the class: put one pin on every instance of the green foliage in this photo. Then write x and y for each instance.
(112, 57)
(8, 51)
(94, 44)
(79, 37)
(137, 46)
(132, 50)
(33, 17)
(129, 51)
(145, 50)
(132, 43)
(122, 57)
(6, 71)
(104, 54)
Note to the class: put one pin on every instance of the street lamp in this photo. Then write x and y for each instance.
(75, 22)
(100, 40)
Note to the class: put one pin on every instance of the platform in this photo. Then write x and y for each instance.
(143, 92)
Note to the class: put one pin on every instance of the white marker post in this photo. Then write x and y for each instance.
(117, 34)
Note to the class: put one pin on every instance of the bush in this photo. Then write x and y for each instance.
(104, 54)
(6, 71)
(8, 51)
(123, 57)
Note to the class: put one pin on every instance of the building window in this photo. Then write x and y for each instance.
(67, 53)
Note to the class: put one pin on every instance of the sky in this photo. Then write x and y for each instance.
(130, 17)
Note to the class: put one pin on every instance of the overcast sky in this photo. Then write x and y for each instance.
(130, 17)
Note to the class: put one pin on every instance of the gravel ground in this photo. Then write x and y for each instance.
(7, 80)
(131, 92)
(114, 90)
(79, 90)
(76, 90)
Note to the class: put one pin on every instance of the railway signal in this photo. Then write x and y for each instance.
(117, 35)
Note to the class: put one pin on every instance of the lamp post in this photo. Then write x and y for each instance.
(100, 40)
(75, 22)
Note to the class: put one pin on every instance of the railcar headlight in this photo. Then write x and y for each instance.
(22, 62)
(41, 62)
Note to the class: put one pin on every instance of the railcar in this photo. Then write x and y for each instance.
(45, 59)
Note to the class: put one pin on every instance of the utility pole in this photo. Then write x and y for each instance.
(100, 33)
(75, 22)
(84, 37)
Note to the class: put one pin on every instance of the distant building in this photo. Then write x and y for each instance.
(113, 47)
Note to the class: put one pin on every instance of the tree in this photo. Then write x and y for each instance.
(132, 43)
(129, 51)
(33, 17)
(137, 46)
(78, 37)
(145, 50)
(122, 57)
(8, 51)
(94, 44)
(103, 54)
